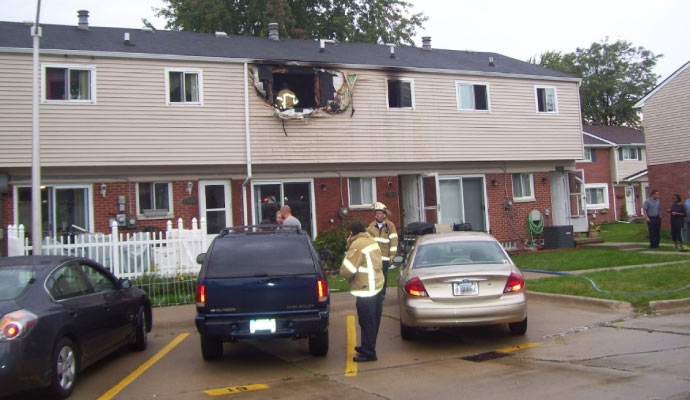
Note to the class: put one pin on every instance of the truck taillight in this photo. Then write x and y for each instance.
(200, 295)
(515, 283)
(322, 289)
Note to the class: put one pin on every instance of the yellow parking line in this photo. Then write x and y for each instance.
(143, 367)
(235, 389)
(519, 347)
(350, 365)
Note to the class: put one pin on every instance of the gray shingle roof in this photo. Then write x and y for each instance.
(173, 43)
(616, 134)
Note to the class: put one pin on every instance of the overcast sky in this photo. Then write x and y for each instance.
(518, 29)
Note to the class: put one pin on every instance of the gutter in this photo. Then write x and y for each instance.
(248, 146)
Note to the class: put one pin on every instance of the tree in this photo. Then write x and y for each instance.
(374, 21)
(614, 77)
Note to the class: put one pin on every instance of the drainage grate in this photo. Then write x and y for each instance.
(491, 355)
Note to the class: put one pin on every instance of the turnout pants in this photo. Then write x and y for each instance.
(369, 318)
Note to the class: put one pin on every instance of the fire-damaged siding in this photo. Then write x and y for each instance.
(130, 123)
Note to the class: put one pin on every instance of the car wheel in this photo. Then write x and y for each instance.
(407, 332)
(318, 344)
(518, 328)
(140, 340)
(64, 366)
(211, 347)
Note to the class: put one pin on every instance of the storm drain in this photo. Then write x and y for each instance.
(490, 355)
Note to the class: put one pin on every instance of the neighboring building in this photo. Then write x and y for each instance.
(615, 171)
(141, 126)
(666, 112)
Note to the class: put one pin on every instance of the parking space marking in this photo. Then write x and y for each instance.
(143, 367)
(350, 365)
(519, 347)
(235, 389)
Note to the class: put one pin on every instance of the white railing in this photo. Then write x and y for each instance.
(131, 255)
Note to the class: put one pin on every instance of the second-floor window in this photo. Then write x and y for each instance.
(362, 191)
(523, 190)
(546, 99)
(473, 96)
(629, 153)
(154, 198)
(184, 87)
(68, 83)
(400, 94)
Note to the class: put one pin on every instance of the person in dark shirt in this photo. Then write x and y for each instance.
(677, 212)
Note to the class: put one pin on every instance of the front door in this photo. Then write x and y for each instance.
(630, 200)
(268, 197)
(474, 205)
(411, 205)
(430, 197)
(463, 200)
(215, 205)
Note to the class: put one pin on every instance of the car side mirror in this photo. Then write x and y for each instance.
(398, 259)
(324, 254)
(125, 283)
(200, 258)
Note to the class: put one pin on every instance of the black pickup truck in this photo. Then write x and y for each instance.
(261, 282)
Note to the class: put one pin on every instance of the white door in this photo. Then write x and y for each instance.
(559, 198)
(411, 207)
(630, 200)
(577, 204)
(215, 205)
(429, 188)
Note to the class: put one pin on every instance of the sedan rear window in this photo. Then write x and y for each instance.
(13, 281)
(459, 253)
(260, 255)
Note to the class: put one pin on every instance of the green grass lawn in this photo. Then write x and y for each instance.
(620, 232)
(589, 258)
(636, 280)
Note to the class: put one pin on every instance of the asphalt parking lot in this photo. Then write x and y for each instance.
(569, 351)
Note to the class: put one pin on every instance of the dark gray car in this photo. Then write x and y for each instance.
(60, 314)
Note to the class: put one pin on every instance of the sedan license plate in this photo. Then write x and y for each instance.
(465, 288)
(262, 325)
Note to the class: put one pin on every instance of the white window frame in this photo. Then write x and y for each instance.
(595, 186)
(140, 212)
(626, 153)
(282, 182)
(373, 193)
(587, 155)
(92, 83)
(89, 196)
(555, 99)
(200, 84)
(471, 83)
(411, 81)
(531, 187)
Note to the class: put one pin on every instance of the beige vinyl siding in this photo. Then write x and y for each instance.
(667, 122)
(629, 167)
(130, 124)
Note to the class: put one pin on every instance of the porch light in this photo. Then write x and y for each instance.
(104, 189)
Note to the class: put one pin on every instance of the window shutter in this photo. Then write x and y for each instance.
(620, 154)
(593, 154)
(639, 153)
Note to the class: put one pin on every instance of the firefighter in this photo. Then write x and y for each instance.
(383, 231)
(286, 98)
(362, 269)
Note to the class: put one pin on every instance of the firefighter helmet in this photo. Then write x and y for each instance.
(381, 207)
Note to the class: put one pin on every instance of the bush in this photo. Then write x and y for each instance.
(333, 239)
(624, 213)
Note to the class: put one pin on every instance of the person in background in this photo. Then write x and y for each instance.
(362, 268)
(651, 209)
(677, 212)
(686, 205)
(286, 99)
(279, 218)
(385, 234)
(288, 219)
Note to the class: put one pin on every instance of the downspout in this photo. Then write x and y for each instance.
(247, 140)
(615, 170)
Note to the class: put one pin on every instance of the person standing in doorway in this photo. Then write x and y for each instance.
(383, 231)
(288, 219)
(651, 209)
(677, 220)
(279, 218)
(362, 268)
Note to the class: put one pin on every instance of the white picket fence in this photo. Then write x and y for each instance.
(133, 255)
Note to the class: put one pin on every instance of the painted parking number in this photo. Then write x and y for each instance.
(235, 389)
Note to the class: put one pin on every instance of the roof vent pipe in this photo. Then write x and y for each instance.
(221, 34)
(491, 62)
(273, 31)
(392, 47)
(127, 42)
(322, 44)
(83, 19)
(426, 43)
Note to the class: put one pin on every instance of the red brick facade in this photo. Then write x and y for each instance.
(599, 171)
(669, 179)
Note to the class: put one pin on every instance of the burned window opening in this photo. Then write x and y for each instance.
(301, 92)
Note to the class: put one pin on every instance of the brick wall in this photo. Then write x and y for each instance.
(669, 179)
(599, 171)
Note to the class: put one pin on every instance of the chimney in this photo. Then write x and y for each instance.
(83, 19)
(426, 43)
(273, 31)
